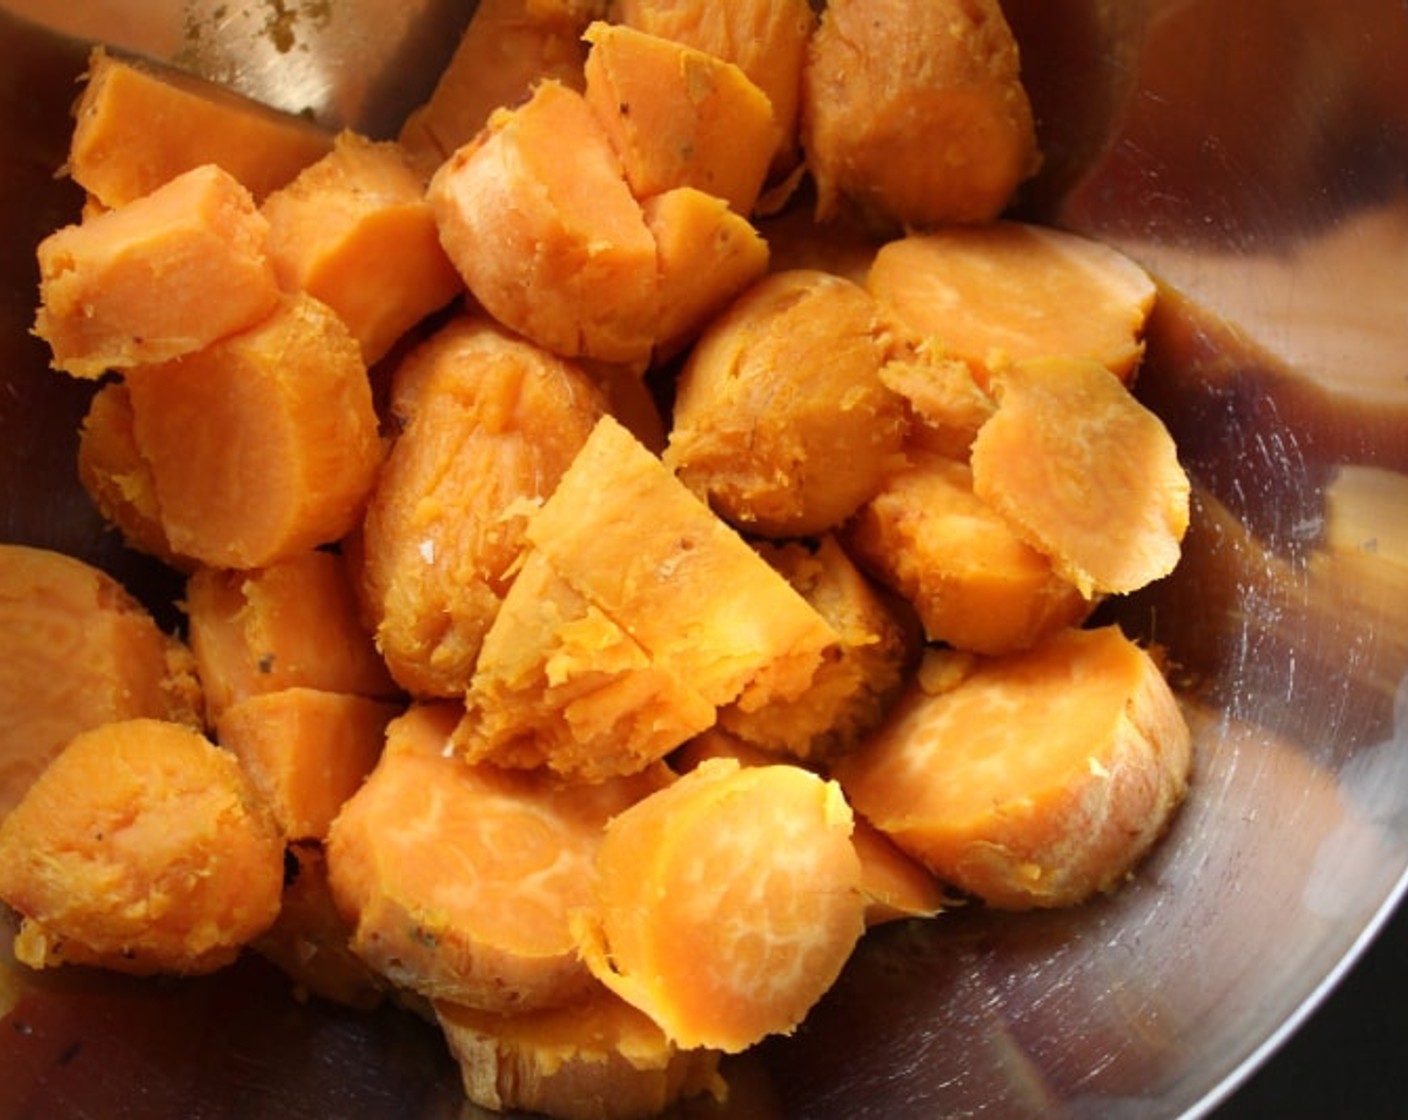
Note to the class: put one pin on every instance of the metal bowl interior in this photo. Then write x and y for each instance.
(1255, 158)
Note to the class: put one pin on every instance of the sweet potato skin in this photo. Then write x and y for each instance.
(143, 849)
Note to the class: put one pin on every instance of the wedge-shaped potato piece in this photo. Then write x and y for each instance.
(1008, 291)
(80, 651)
(679, 116)
(640, 547)
(782, 423)
(487, 424)
(1085, 473)
(141, 848)
(973, 581)
(458, 880)
(556, 249)
(164, 276)
(262, 445)
(914, 111)
(355, 230)
(726, 904)
(138, 126)
(597, 1058)
(1038, 779)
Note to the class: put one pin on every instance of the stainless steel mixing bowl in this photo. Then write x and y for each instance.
(1254, 155)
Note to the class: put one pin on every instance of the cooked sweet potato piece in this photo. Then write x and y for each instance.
(355, 230)
(975, 583)
(947, 407)
(1085, 473)
(854, 687)
(141, 848)
(262, 445)
(1003, 292)
(309, 939)
(597, 1058)
(914, 111)
(79, 652)
(459, 879)
(1039, 779)
(305, 751)
(562, 684)
(556, 249)
(138, 126)
(726, 903)
(708, 254)
(781, 421)
(636, 544)
(487, 424)
(507, 47)
(162, 277)
(678, 116)
(766, 39)
(293, 624)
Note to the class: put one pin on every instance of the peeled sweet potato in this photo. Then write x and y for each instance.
(141, 848)
(79, 652)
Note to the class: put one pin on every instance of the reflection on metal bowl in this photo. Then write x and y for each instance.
(1255, 158)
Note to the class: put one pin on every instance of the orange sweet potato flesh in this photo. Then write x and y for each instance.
(597, 1058)
(914, 112)
(355, 230)
(487, 424)
(1003, 292)
(727, 903)
(766, 39)
(1039, 779)
(305, 751)
(678, 116)
(853, 688)
(262, 445)
(143, 849)
(636, 544)
(162, 277)
(507, 47)
(781, 421)
(556, 249)
(137, 126)
(459, 879)
(79, 652)
(1085, 473)
(947, 406)
(292, 624)
(974, 582)
(117, 478)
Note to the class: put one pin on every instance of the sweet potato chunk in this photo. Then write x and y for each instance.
(79, 652)
(507, 47)
(766, 39)
(355, 230)
(597, 1058)
(143, 849)
(974, 582)
(727, 903)
(293, 624)
(555, 249)
(854, 687)
(459, 879)
(138, 126)
(1085, 473)
(262, 445)
(914, 111)
(947, 407)
(1004, 292)
(305, 751)
(1039, 779)
(678, 116)
(164, 276)
(782, 423)
(488, 423)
